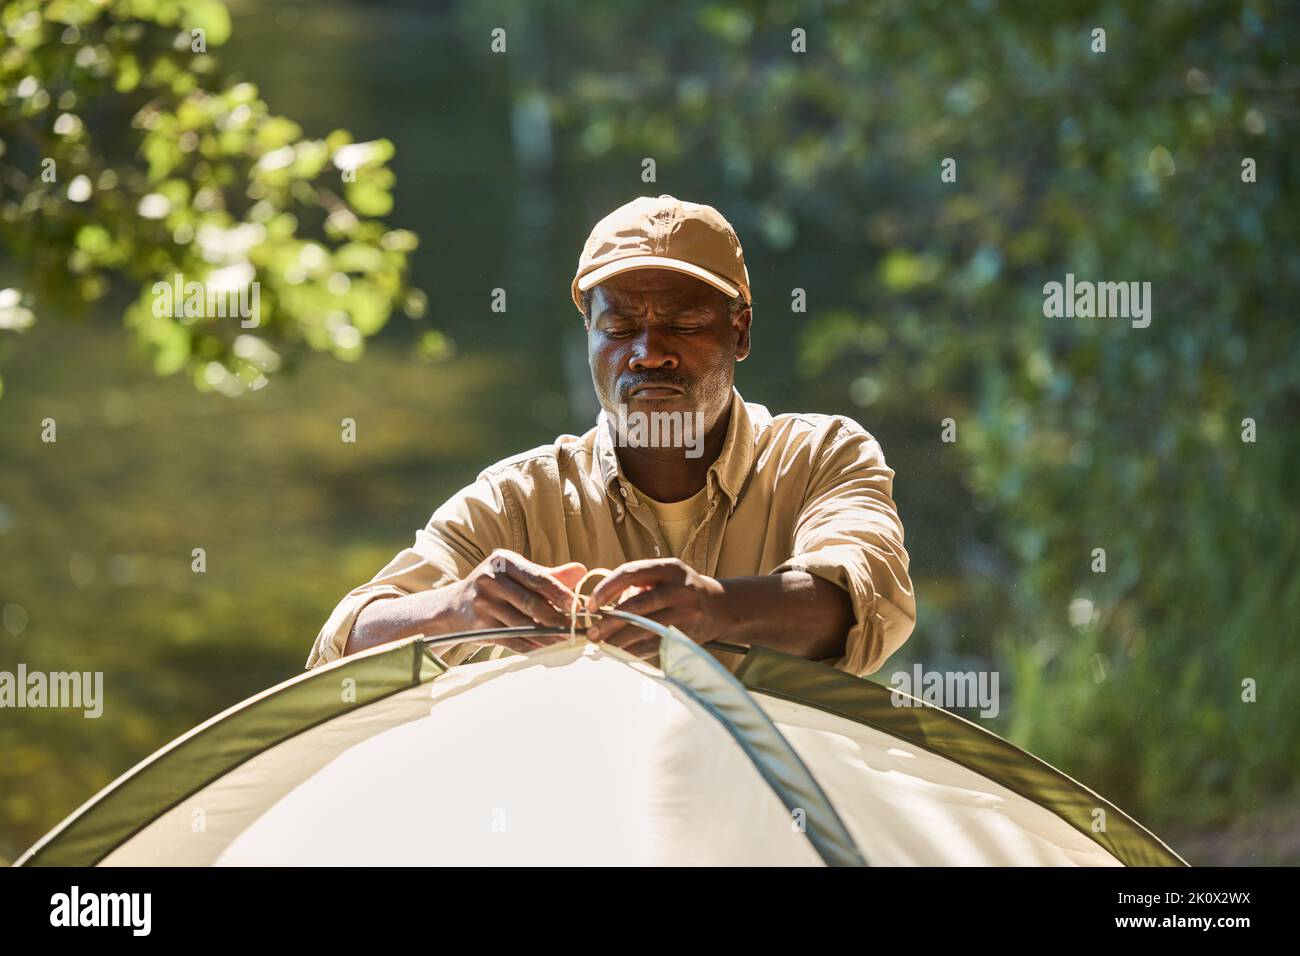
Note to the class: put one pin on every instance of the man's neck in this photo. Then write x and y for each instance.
(666, 474)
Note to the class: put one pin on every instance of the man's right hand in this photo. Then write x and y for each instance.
(504, 590)
(508, 590)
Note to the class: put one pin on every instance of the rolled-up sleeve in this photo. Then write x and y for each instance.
(459, 535)
(849, 532)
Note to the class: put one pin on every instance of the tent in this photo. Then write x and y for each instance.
(579, 753)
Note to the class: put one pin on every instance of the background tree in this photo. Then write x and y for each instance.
(207, 184)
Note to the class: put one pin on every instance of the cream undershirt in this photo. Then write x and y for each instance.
(677, 519)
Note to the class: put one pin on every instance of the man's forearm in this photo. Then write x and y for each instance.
(392, 619)
(794, 611)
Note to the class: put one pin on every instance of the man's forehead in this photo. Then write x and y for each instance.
(657, 284)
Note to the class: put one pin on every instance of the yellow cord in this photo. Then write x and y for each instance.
(577, 597)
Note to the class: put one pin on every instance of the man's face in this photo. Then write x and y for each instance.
(660, 340)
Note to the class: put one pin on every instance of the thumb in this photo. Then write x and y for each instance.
(569, 574)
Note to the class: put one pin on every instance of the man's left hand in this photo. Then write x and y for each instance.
(668, 591)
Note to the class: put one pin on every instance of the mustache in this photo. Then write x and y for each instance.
(657, 377)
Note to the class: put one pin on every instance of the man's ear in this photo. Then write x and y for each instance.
(741, 324)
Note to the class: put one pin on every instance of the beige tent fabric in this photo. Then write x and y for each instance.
(580, 758)
(197, 830)
(576, 754)
(580, 754)
(906, 806)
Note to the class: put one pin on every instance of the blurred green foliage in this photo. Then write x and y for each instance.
(1072, 434)
(125, 155)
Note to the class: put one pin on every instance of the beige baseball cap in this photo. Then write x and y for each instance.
(664, 233)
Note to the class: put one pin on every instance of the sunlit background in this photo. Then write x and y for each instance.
(924, 303)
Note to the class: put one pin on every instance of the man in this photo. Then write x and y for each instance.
(743, 526)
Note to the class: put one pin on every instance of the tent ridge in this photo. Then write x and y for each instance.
(711, 685)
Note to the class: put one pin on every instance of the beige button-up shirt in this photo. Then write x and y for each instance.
(787, 492)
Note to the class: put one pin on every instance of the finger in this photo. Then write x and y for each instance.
(630, 633)
(636, 642)
(607, 627)
(569, 574)
(648, 573)
(629, 636)
(534, 578)
(616, 601)
(668, 617)
(610, 590)
(647, 604)
(533, 606)
(502, 614)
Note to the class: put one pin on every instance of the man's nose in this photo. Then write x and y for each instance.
(651, 351)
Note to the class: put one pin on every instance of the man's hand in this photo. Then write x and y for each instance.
(508, 590)
(505, 590)
(794, 611)
(668, 591)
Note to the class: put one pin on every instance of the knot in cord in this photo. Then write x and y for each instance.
(577, 598)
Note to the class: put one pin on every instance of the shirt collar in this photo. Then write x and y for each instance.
(729, 470)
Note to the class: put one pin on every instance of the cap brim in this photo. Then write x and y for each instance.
(632, 263)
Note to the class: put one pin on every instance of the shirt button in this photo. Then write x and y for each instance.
(622, 491)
